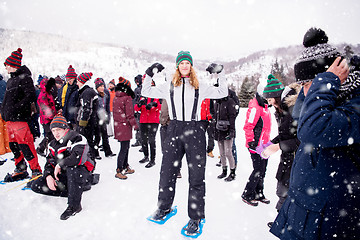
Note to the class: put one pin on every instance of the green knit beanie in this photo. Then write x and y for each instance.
(274, 88)
(184, 55)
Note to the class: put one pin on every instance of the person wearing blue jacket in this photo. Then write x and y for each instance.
(323, 197)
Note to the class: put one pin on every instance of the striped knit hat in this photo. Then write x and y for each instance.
(84, 77)
(112, 82)
(317, 56)
(71, 73)
(99, 82)
(274, 87)
(14, 60)
(124, 82)
(59, 121)
(184, 55)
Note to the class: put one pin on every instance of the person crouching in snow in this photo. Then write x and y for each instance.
(186, 134)
(68, 167)
(124, 121)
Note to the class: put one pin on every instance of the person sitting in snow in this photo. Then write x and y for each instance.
(68, 167)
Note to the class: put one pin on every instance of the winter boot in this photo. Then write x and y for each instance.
(253, 203)
(70, 211)
(111, 154)
(160, 214)
(263, 199)
(128, 170)
(150, 164)
(218, 164)
(192, 227)
(210, 154)
(35, 173)
(224, 173)
(144, 160)
(231, 176)
(120, 175)
(17, 175)
(136, 144)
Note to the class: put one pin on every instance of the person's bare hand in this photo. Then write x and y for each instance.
(340, 69)
(51, 183)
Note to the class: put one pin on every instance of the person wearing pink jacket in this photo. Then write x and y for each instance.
(257, 131)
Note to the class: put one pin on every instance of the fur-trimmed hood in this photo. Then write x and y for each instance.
(290, 99)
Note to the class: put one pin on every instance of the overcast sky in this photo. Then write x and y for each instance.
(209, 29)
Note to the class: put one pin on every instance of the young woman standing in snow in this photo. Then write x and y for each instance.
(225, 111)
(186, 134)
(124, 121)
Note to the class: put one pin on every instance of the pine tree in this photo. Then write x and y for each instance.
(348, 52)
(247, 91)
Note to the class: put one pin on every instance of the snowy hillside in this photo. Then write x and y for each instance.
(117, 209)
(49, 54)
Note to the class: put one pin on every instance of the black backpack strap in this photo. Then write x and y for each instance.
(172, 101)
(196, 101)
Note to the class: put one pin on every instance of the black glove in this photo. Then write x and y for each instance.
(148, 106)
(214, 68)
(150, 70)
(252, 145)
(142, 102)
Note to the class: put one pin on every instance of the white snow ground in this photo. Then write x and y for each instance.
(117, 209)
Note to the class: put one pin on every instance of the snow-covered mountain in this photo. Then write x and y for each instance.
(49, 54)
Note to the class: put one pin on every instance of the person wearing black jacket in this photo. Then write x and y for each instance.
(283, 100)
(104, 114)
(68, 167)
(16, 111)
(138, 80)
(68, 96)
(87, 119)
(225, 111)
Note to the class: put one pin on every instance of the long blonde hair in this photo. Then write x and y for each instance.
(193, 78)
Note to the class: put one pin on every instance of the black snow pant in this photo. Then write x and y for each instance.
(148, 134)
(163, 135)
(184, 138)
(48, 136)
(71, 184)
(105, 139)
(123, 157)
(211, 136)
(255, 185)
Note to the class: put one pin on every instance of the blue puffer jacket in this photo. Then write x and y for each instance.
(324, 196)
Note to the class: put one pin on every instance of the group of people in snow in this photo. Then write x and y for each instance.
(318, 119)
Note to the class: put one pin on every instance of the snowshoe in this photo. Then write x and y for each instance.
(16, 175)
(193, 228)
(161, 216)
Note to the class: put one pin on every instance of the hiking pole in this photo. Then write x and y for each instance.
(30, 180)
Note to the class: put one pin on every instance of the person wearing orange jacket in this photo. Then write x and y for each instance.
(4, 137)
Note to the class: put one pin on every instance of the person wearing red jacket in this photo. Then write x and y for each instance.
(257, 131)
(149, 123)
(206, 116)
